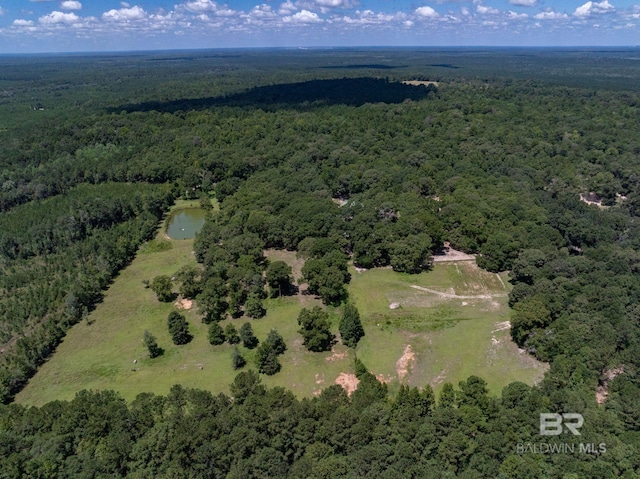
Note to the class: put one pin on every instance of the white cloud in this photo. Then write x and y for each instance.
(426, 12)
(1, 11)
(287, 8)
(594, 7)
(465, 11)
(484, 10)
(199, 6)
(203, 6)
(369, 17)
(23, 23)
(56, 17)
(262, 11)
(303, 16)
(452, 19)
(125, 14)
(550, 15)
(516, 16)
(524, 3)
(331, 3)
(71, 5)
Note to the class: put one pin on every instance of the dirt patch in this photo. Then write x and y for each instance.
(405, 362)
(384, 379)
(336, 356)
(184, 304)
(502, 326)
(349, 382)
(319, 378)
(450, 254)
(440, 378)
(457, 296)
(602, 393)
(394, 305)
(591, 199)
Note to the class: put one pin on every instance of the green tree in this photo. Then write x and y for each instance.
(249, 340)
(528, 315)
(237, 361)
(212, 299)
(216, 334)
(253, 306)
(315, 329)
(447, 396)
(267, 360)
(327, 276)
(190, 287)
(350, 326)
(360, 368)
(278, 276)
(178, 328)
(411, 254)
(231, 334)
(245, 384)
(152, 345)
(161, 285)
(275, 340)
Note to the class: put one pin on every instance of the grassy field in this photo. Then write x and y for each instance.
(447, 324)
(452, 321)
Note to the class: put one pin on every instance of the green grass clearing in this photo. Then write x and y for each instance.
(450, 338)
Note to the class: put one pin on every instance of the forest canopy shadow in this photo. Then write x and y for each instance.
(303, 95)
(363, 66)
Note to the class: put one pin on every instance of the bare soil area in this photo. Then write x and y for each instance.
(349, 382)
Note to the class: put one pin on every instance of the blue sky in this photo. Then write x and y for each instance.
(106, 25)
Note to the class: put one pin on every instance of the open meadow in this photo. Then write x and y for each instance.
(435, 327)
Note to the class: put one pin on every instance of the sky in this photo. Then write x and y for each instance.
(38, 26)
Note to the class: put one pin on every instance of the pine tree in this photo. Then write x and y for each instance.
(360, 369)
(216, 334)
(237, 361)
(276, 342)
(253, 306)
(231, 334)
(178, 328)
(152, 345)
(267, 360)
(350, 326)
(249, 340)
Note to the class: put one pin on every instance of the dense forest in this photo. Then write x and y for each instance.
(331, 155)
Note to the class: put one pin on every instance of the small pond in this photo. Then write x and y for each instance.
(184, 224)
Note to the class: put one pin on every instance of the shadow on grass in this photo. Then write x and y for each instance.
(303, 95)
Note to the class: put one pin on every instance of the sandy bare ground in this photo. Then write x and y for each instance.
(403, 365)
(450, 254)
(349, 382)
(602, 393)
(502, 326)
(458, 296)
(183, 304)
(591, 200)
